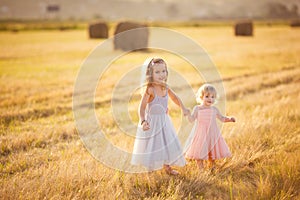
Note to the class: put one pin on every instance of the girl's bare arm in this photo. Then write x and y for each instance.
(145, 98)
(177, 101)
(224, 118)
(192, 117)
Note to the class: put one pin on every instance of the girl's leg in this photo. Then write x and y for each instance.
(200, 164)
(212, 164)
(211, 161)
(170, 171)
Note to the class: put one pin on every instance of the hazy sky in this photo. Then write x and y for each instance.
(140, 9)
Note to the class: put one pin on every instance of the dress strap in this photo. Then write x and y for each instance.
(167, 88)
(164, 95)
(154, 91)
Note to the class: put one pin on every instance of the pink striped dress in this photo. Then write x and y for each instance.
(205, 140)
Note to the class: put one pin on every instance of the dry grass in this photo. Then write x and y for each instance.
(42, 156)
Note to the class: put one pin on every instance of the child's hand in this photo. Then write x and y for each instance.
(232, 119)
(146, 126)
(186, 112)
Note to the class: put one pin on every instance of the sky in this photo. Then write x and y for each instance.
(146, 9)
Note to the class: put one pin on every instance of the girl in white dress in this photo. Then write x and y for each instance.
(156, 145)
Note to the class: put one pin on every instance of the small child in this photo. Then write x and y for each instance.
(156, 144)
(206, 141)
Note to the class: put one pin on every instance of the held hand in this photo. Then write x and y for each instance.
(232, 119)
(186, 112)
(146, 126)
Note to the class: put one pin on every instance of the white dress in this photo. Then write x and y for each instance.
(159, 145)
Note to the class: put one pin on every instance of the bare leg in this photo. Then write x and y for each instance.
(212, 164)
(200, 164)
(211, 161)
(170, 171)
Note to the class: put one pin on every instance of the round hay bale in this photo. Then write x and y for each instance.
(98, 30)
(295, 23)
(134, 40)
(243, 29)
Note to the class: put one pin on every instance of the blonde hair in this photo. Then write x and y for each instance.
(148, 79)
(149, 72)
(205, 89)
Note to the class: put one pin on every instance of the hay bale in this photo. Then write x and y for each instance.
(98, 30)
(53, 8)
(134, 40)
(295, 23)
(243, 29)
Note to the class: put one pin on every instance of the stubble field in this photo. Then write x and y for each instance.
(42, 155)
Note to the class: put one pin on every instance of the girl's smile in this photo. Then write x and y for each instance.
(208, 99)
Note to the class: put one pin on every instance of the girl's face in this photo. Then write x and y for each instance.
(209, 99)
(159, 73)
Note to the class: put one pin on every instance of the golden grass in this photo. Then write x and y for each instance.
(42, 156)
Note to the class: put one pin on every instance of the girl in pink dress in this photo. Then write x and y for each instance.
(205, 141)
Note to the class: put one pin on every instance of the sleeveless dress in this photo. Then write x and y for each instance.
(159, 145)
(205, 140)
